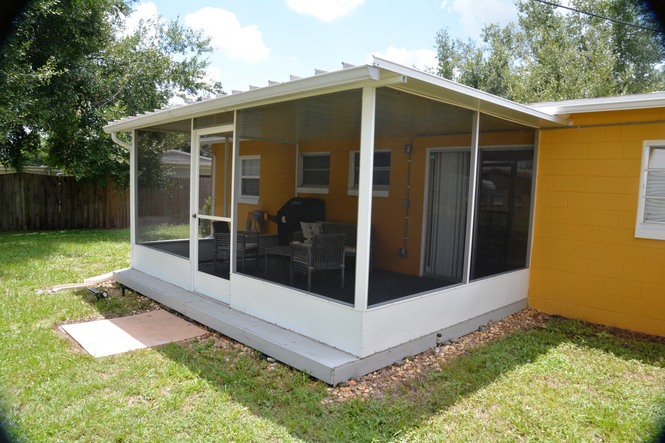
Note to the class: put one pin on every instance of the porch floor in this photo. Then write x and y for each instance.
(384, 286)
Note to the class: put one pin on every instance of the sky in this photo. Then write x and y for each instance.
(257, 41)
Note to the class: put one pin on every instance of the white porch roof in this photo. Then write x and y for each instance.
(379, 73)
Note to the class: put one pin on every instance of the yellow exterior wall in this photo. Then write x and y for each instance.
(277, 178)
(339, 206)
(586, 262)
(388, 214)
(278, 184)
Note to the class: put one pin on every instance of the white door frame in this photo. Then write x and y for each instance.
(207, 284)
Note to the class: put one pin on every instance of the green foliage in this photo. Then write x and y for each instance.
(555, 55)
(152, 172)
(69, 68)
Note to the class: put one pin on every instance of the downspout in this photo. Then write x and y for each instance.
(114, 137)
(132, 188)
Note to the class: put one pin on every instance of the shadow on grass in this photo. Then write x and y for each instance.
(294, 401)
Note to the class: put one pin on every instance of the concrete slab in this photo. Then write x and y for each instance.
(108, 337)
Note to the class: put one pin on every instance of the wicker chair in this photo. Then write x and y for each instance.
(326, 252)
(256, 222)
(247, 247)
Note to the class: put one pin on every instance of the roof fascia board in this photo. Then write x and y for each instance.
(483, 100)
(606, 104)
(316, 85)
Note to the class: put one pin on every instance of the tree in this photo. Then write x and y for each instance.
(68, 69)
(555, 55)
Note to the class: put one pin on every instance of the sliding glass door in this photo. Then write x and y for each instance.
(448, 191)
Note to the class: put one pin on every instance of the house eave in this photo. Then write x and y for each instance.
(603, 104)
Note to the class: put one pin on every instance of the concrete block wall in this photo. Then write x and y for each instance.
(586, 261)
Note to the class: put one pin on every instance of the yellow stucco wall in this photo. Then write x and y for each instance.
(586, 261)
(277, 178)
(278, 184)
(278, 175)
(388, 213)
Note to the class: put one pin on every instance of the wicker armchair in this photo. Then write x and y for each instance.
(247, 247)
(326, 252)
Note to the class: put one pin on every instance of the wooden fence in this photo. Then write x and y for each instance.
(31, 202)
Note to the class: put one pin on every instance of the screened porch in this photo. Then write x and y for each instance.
(450, 203)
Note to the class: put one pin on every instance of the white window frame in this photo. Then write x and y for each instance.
(645, 229)
(377, 190)
(246, 198)
(309, 188)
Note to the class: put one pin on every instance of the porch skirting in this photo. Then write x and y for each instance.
(315, 358)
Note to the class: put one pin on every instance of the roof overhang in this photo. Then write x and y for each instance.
(380, 73)
(604, 104)
(438, 88)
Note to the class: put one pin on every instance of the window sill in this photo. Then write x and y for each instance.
(306, 190)
(375, 193)
(652, 231)
(248, 200)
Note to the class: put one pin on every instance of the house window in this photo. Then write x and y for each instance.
(314, 173)
(250, 173)
(380, 173)
(651, 205)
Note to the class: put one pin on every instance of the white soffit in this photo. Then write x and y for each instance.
(604, 104)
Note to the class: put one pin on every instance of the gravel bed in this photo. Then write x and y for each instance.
(376, 384)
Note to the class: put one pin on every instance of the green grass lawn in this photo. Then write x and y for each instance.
(567, 381)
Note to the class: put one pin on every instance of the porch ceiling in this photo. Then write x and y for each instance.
(333, 116)
(336, 116)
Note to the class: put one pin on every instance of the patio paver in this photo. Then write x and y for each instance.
(108, 337)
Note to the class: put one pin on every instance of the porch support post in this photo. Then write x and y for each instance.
(473, 184)
(225, 211)
(367, 124)
(133, 190)
(235, 191)
(532, 215)
(193, 202)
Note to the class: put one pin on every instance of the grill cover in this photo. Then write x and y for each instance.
(293, 212)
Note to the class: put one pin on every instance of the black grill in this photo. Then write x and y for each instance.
(293, 212)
